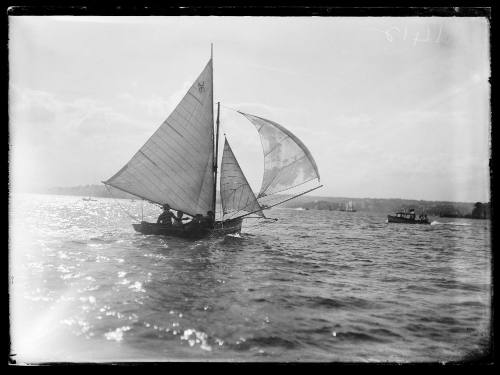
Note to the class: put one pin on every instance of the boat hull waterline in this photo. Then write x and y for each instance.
(189, 231)
(402, 220)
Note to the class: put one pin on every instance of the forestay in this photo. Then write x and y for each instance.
(237, 197)
(175, 165)
(287, 161)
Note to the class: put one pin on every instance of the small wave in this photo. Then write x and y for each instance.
(384, 332)
(421, 288)
(391, 279)
(117, 334)
(448, 320)
(455, 284)
(323, 330)
(358, 336)
(350, 302)
(261, 300)
(78, 242)
(102, 239)
(137, 286)
(265, 341)
(155, 256)
(470, 304)
(416, 327)
(193, 336)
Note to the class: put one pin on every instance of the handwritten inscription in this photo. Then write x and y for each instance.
(420, 36)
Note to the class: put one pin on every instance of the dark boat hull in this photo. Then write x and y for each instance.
(402, 220)
(188, 230)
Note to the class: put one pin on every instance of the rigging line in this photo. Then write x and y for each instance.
(134, 194)
(126, 212)
(286, 200)
(232, 109)
(221, 124)
(264, 159)
(148, 200)
(288, 188)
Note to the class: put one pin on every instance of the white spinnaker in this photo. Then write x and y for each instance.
(287, 161)
(175, 165)
(237, 197)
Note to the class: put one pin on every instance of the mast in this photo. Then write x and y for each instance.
(216, 156)
(215, 144)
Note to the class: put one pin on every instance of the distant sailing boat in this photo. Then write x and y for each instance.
(178, 166)
(350, 207)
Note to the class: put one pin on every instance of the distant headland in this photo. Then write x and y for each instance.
(471, 210)
(474, 210)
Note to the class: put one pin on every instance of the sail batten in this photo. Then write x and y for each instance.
(237, 197)
(174, 166)
(287, 161)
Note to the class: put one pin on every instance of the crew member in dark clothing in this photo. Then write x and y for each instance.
(179, 219)
(197, 219)
(196, 222)
(166, 216)
(209, 220)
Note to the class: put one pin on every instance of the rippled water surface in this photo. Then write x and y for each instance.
(313, 286)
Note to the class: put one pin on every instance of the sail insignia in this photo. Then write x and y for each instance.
(175, 165)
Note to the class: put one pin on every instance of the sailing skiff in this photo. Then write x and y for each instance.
(178, 165)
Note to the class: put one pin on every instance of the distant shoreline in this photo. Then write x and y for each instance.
(383, 205)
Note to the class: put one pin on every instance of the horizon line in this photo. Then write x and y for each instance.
(38, 191)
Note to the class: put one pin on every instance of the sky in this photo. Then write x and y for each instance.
(388, 107)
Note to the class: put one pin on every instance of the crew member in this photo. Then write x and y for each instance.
(209, 220)
(178, 219)
(166, 216)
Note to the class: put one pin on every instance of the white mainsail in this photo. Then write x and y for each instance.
(287, 161)
(175, 165)
(237, 197)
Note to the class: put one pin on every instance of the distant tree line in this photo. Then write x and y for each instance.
(476, 210)
(481, 211)
(432, 208)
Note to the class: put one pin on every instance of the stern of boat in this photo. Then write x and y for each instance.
(143, 227)
(228, 226)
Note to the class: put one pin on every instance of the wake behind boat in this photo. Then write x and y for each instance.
(178, 167)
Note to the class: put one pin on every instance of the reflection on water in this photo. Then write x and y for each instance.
(314, 286)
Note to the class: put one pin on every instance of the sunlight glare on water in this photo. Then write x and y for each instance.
(313, 286)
